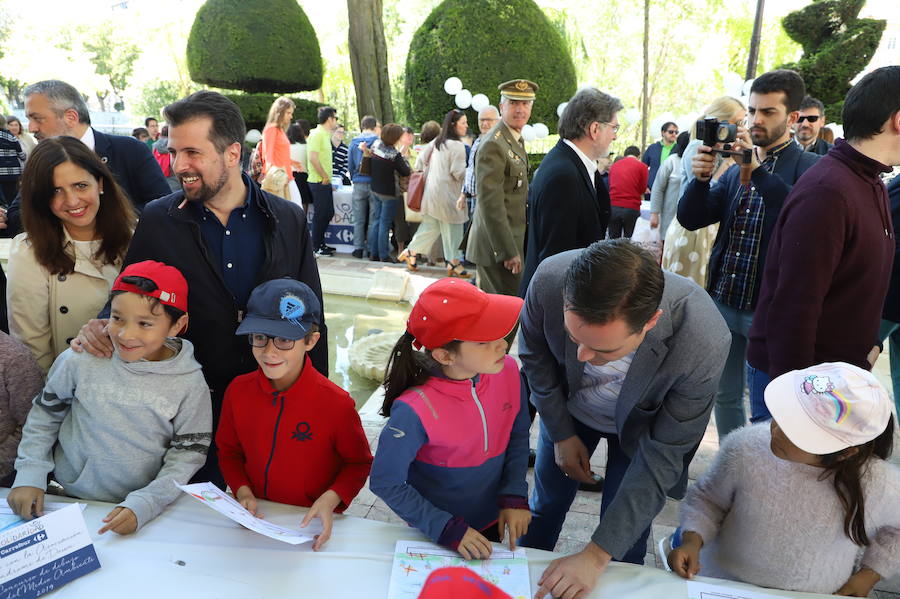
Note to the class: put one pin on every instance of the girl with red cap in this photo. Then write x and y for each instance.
(452, 459)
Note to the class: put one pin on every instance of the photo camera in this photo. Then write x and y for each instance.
(712, 131)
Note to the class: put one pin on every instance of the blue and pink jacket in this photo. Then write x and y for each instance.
(453, 453)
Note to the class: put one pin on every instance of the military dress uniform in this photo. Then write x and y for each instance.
(501, 181)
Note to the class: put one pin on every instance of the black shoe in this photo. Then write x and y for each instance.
(532, 456)
(357, 253)
(596, 487)
(325, 251)
(390, 260)
(329, 248)
(374, 259)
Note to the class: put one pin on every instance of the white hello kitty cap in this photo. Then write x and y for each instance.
(829, 407)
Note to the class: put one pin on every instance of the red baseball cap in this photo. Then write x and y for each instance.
(452, 309)
(453, 583)
(169, 285)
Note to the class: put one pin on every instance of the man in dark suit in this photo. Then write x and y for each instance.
(657, 152)
(809, 124)
(56, 108)
(615, 349)
(568, 207)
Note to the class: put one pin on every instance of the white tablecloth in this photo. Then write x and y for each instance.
(223, 561)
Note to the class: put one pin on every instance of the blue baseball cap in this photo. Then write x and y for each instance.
(281, 308)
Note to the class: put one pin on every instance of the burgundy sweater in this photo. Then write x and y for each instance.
(827, 269)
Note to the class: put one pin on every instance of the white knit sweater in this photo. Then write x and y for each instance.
(773, 523)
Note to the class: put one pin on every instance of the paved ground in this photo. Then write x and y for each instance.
(582, 517)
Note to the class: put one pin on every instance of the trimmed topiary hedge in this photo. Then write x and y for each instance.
(258, 46)
(485, 43)
(836, 47)
(255, 108)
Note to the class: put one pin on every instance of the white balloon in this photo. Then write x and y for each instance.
(479, 102)
(685, 122)
(733, 84)
(632, 115)
(253, 136)
(453, 86)
(561, 108)
(541, 131)
(463, 99)
(528, 133)
(745, 89)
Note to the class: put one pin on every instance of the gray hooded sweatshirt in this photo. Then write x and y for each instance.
(126, 430)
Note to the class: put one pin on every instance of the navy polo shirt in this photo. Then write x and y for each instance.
(237, 248)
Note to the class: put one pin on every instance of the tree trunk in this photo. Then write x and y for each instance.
(754, 41)
(368, 60)
(645, 96)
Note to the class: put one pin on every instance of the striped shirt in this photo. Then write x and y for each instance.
(340, 156)
(469, 181)
(735, 281)
(594, 404)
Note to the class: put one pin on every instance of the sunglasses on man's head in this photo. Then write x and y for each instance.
(812, 118)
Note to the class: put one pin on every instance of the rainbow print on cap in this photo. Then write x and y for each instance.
(822, 385)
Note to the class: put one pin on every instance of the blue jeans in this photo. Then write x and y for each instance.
(380, 224)
(758, 380)
(891, 331)
(554, 491)
(730, 397)
(363, 213)
(323, 202)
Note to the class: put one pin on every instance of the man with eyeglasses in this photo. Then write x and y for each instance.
(568, 205)
(657, 152)
(809, 123)
(487, 118)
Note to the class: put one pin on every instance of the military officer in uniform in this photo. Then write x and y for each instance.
(496, 241)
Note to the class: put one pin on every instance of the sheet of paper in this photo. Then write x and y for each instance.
(415, 560)
(705, 590)
(9, 519)
(212, 497)
(45, 553)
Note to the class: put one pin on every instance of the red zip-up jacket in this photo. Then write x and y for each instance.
(292, 446)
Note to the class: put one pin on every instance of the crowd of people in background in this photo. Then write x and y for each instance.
(179, 263)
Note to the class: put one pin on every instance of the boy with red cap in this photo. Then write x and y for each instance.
(453, 456)
(287, 433)
(121, 430)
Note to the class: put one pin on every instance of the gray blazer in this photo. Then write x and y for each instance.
(665, 401)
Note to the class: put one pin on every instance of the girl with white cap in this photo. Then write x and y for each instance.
(791, 504)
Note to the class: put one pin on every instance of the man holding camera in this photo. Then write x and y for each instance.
(747, 214)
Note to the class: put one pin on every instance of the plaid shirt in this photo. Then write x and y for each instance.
(11, 155)
(739, 274)
(469, 182)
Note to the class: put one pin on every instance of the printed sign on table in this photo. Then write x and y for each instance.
(44, 554)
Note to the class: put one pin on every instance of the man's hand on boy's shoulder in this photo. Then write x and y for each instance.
(26, 502)
(121, 521)
(94, 339)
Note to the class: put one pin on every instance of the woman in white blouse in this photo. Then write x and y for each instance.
(78, 224)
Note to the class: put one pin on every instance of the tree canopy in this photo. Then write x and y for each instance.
(259, 46)
(484, 44)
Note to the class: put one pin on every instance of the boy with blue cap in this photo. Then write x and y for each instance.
(287, 433)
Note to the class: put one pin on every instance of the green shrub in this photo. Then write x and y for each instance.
(534, 161)
(485, 43)
(258, 46)
(255, 108)
(836, 47)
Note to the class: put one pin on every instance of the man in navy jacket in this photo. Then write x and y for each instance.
(226, 236)
(657, 152)
(56, 108)
(747, 215)
(568, 205)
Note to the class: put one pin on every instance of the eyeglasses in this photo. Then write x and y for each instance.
(260, 340)
(615, 128)
(812, 118)
(673, 131)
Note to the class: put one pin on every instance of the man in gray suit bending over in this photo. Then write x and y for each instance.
(614, 349)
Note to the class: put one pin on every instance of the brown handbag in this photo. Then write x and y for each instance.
(415, 190)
